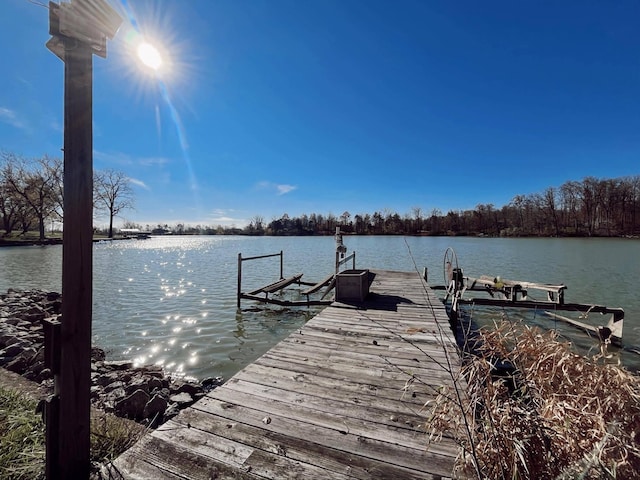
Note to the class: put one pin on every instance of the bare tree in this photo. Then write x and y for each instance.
(549, 202)
(38, 184)
(112, 193)
(417, 214)
(9, 203)
(256, 225)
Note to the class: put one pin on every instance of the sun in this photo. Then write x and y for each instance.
(149, 55)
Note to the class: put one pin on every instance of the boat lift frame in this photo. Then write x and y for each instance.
(279, 285)
(515, 294)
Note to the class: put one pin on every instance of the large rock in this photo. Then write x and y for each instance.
(182, 399)
(133, 405)
(155, 407)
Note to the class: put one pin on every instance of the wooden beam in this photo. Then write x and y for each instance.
(319, 285)
(74, 380)
(278, 285)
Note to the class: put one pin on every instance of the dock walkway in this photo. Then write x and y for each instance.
(341, 398)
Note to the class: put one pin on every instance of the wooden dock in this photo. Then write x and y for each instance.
(341, 398)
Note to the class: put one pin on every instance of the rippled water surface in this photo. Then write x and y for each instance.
(172, 300)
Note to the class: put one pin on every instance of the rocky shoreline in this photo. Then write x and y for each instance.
(145, 394)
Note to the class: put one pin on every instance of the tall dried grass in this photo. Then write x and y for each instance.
(560, 415)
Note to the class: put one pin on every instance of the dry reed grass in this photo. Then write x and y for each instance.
(567, 417)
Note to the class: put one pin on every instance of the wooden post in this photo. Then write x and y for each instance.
(239, 278)
(79, 29)
(73, 383)
(52, 329)
(281, 265)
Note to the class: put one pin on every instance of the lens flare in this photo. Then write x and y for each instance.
(149, 55)
(161, 62)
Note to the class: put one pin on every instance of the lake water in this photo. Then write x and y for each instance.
(172, 300)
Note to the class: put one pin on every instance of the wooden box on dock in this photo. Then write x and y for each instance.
(352, 285)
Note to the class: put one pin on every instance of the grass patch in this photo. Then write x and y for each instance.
(111, 436)
(21, 437)
(22, 440)
(567, 417)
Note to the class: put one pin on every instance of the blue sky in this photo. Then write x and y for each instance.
(321, 106)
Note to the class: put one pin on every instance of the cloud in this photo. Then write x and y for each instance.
(56, 126)
(279, 188)
(120, 158)
(153, 161)
(284, 189)
(224, 217)
(10, 117)
(139, 183)
(117, 158)
(222, 211)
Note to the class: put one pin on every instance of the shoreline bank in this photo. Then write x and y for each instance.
(145, 394)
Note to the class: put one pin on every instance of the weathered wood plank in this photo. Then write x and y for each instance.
(411, 398)
(331, 459)
(319, 285)
(279, 285)
(385, 412)
(347, 437)
(419, 353)
(367, 365)
(374, 430)
(153, 457)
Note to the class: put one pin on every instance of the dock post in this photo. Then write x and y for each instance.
(239, 278)
(79, 30)
(281, 265)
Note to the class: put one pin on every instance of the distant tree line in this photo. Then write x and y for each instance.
(31, 193)
(592, 207)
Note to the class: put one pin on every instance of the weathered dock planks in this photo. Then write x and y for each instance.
(342, 398)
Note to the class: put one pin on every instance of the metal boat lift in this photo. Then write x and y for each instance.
(262, 294)
(515, 294)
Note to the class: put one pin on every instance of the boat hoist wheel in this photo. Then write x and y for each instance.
(450, 267)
